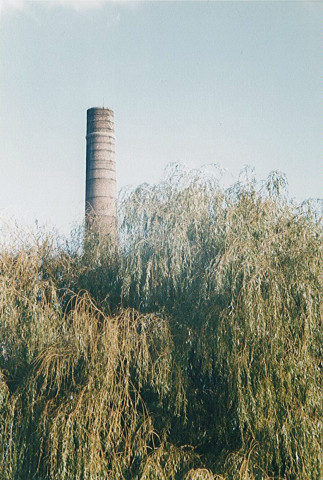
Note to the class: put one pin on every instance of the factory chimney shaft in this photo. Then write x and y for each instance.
(101, 191)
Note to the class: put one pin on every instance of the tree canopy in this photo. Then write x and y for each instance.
(189, 351)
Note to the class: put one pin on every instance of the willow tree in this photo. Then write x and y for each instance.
(192, 352)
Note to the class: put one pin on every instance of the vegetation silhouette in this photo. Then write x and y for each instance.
(190, 351)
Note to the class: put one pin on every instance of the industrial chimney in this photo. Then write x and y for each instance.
(101, 191)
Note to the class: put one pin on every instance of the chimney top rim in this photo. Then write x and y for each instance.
(106, 109)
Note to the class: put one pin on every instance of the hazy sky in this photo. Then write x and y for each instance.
(234, 83)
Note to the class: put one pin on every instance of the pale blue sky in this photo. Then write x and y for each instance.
(198, 82)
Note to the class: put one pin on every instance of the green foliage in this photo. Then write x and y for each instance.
(190, 351)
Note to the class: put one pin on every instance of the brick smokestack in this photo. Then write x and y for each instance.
(101, 190)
